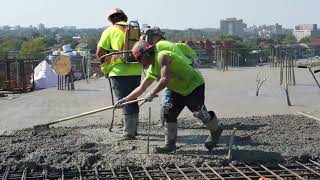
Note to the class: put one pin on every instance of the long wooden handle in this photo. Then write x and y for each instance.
(93, 112)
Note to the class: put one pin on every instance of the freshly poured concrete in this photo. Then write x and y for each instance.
(229, 94)
(263, 137)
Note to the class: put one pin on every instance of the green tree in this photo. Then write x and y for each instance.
(91, 42)
(306, 40)
(10, 44)
(50, 41)
(68, 40)
(289, 39)
(34, 48)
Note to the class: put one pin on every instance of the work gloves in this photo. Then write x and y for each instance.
(119, 103)
(149, 97)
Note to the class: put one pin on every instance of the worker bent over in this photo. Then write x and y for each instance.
(125, 77)
(155, 36)
(187, 86)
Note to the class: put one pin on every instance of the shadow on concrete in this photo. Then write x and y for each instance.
(257, 156)
(307, 85)
(240, 126)
(87, 90)
(243, 156)
(192, 139)
(243, 127)
(239, 141)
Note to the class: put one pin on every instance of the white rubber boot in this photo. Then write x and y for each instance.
(214, 132)
(130, 126)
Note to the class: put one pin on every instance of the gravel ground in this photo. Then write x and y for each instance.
(268, 139)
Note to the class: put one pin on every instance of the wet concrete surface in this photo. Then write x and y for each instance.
(267, 140)
(87, 142)
(229, 94)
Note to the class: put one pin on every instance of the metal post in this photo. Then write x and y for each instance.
(314, 77)
(281, 71)
(65, 82)
(72, 80)
(68, 82)
(293, 73)
(149, 124)
(62, 82)
(231, 144)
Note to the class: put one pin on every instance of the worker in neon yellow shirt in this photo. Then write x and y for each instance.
(155, 36)
(124, 77)
(188, 88)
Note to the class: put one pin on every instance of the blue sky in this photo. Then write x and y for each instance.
(174, 14)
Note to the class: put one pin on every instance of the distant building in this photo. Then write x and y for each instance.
(232, 26)
(6, 28)
(69, 27)
(77, 38)
(252, 30)
(58, 37)
(18, 27)
(306, 30)
(41, 27)
(265, 31)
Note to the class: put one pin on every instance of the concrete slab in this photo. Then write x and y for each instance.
(229, 94)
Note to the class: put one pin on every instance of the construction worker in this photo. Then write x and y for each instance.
(186, 84)
(155, 36)
(124, 77)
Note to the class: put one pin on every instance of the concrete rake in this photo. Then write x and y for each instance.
(45, 127)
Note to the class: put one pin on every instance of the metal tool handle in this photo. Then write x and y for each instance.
(115, 53)
(94, 111)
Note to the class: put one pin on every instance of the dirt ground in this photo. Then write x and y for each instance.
(268, 139)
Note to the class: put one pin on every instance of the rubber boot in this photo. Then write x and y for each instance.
(130, 126)
(214, 132)
(162, 118)
(136, 117)
(170, 139)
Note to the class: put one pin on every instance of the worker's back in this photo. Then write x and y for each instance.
(187, 51)
(183, 77)
(113, 38)
(164, 45)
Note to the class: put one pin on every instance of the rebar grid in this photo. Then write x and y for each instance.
(297, 170)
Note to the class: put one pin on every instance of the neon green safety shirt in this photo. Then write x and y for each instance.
(169, 46)
(113, 38)
(183, 78)
(187, 50)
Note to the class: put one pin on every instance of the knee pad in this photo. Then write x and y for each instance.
(204, 115)
(212, 114)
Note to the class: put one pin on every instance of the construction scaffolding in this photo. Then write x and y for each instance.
(297, 170)
(17, 74)
(226, 57)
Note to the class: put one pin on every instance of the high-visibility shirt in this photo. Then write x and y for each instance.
(183, 78)
(113, 38)
(187, 50)
(170, 46)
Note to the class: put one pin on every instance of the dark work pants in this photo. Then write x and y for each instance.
(173, 103)
(122, 86)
